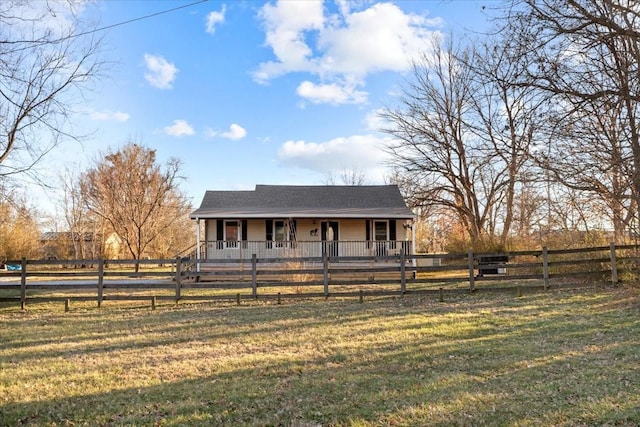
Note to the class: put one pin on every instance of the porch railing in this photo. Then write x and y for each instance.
(224, 249)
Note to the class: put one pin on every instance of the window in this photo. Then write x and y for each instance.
(380, 236)
(231, 233)
(275, 233)
(278, 233)
(380, 230)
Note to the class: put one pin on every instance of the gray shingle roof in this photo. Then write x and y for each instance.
(306, 201)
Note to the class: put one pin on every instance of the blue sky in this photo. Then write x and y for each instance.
(253, 92)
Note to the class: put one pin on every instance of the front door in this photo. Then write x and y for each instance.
(330, 238)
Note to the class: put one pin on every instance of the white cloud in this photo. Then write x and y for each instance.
(362, 151)
(342, 48)
(379, 38)
(160, 72)
(179, 128)
(285, 26)
(235, 132)
(373, 120)
(331, 93)
(115, 116)
(214, 18)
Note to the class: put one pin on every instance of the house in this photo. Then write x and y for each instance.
(78, 245)
(275, 221)
(70, 245)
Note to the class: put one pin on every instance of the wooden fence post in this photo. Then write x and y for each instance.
(545, 267)
(178, 278)
(100, 281)
(23, 283)
(254, 276)
(472, 281)
(403, 274)
(542, 255)
(325, 273)
(614, 264)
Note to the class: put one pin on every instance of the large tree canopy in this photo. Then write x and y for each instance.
(552, 97)
(461, 137)
(138, 198)
(584, 55)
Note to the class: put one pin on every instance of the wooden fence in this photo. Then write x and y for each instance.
(180, 279)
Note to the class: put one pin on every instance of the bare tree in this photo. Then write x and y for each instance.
(135, 196)
(591, 154)
(83, 226)
(174, 241)
(529, 212)
(462, 137)
(506, 119)
(346, 176)
(430, 150)
(46, 58)
(584, 53)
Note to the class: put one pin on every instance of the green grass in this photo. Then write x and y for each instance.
(567, 358)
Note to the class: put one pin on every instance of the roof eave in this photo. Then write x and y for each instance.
(310, 215)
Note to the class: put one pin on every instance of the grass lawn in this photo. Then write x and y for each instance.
(560, 358)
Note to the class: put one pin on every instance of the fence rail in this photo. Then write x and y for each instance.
(184, 279)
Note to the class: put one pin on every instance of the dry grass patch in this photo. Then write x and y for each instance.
(565, 358)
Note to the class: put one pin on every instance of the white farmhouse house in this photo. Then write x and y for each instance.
(275, 221)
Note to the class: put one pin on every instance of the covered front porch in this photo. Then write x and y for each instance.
(245, 250)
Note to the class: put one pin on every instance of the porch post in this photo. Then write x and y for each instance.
(414, 262)
(371, 244)
(198, 251)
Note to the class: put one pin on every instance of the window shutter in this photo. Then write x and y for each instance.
(392, 229)
(220, 229)
(269, 230)
(220, 232)
(244, 230)
(367, 226)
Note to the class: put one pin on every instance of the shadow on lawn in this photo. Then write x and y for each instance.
(90, 334)
(308, 394)
(570, 367)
